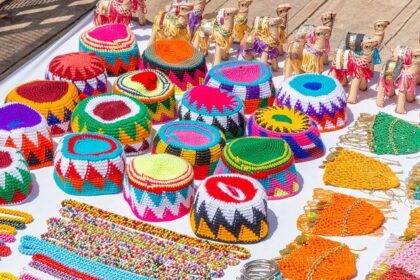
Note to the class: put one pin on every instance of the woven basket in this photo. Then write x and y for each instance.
(85, 70)
(153, 88)
(116, 44)
(230, 208)
(89, 164)
(15, 178)
(250, 80)
(213, 106)
(320, 97)
(296, 128)
(55, 100)
(25, 129)
(198, 143)
(123, 117)
(159, 187)
(268, 160)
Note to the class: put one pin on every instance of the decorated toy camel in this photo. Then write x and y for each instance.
(282, 12)
(240, 26)
(120, 11)
(358, 67)
(196, 16)
(263, 43)
(307, 57)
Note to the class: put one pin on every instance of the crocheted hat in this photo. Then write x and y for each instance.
(250, 80)
(151, 87)
(198, 143)
(115, 43)
(185, 66)
(15, 178)
(25, 129)
(268, 160)
(314, 257)
(320, 97)
(336, 214)
(89, 164)
(348, 169)
(84, 69)
(230, 208)
(123, 117)
(383, 134)
(413, 184)
(213, 106)
(159, 187)
(55, 100)
(296, 128)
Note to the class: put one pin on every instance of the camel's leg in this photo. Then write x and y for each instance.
(287, 69)
(401, 103)
(325, 58)
(153, 36)
(141, 17)
(391, 91)
(275, 65)
(196, 43)
(280, 48)
(380, 98)
(411, 97)
(264, 57)
(363, 84)
(333, 74)
(354, 89)
(217, 55)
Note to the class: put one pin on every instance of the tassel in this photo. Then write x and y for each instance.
(378, 272)
(376, 59)
(413, 228)
(239, 30)
(312, 63)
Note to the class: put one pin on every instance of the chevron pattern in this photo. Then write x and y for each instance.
(120, 67)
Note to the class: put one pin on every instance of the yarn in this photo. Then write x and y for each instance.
(348, 169)
(23, 128)
(230, 208)
(250, 80)
(198, 143)
(185, 66)
(153, 88)
(268, 160)
(320, 97)
(222, 109)
(122, 117)
(84, 69)
(159, 187)
(55, 100)
(89, 164)
(116, 44)
(413, 184)
(296, 128)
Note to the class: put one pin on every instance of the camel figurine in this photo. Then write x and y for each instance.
(282, 12)
(196, 16)
(359, 67)
(264, 42)
(307, 57)
(119, 11)
(172, 24)
(240, 26)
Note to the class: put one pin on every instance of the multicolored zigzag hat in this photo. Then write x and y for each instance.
(15, 178)
(296, 128)
(55, 100)
(268, 160)
(250, 80)
(84, 69)
(159, 187)
(25, 129)
(185, 66)
(89, 164)
(320, 97)
(198, 143)
(213, 106)
(230, 208)
(151, 87)
(116, 44)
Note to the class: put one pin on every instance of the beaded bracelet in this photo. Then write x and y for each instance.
(7, 276)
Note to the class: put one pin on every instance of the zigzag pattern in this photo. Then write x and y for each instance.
(163, 111)
(120, 67)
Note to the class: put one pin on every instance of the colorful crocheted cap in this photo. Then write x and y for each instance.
(15, 178)
(55, 100)
(250, 80)
(413, 184)
(314, 257)
(89, 164)
(383, 134)
(123, 117)
(198, 143)
(268, 160)
(320, 97)
(84, 69)
(230, 208)
(151, 87)
(23, 128)
(159, 187)
(335, 214)
(296, 128)
(184, 65)
(348, 169)
(115, 43)
(213, 106)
